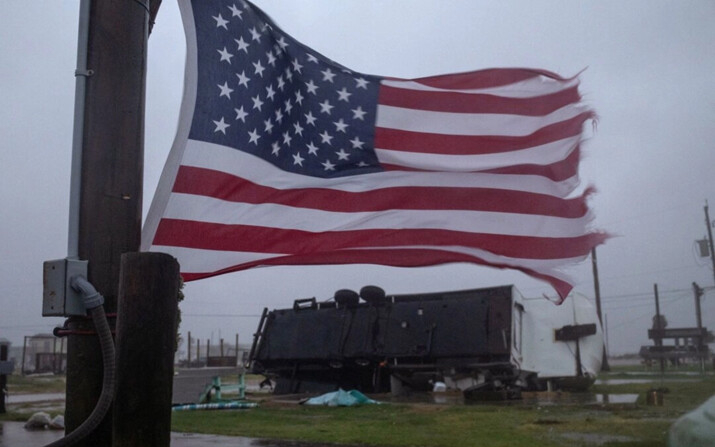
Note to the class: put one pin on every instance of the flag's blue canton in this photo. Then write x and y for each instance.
(262, 92)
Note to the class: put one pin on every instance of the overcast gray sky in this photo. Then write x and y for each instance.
(649, 74)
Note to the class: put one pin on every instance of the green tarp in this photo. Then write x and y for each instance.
(341, 398)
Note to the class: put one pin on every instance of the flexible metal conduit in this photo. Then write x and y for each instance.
(93, 303)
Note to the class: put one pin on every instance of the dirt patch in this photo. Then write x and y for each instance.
(547, 422)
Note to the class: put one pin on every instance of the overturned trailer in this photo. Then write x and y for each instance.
(481, 340)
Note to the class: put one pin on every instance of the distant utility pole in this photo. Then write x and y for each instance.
(708, 224)
(597, 291)
(698, 292)
(658, 326)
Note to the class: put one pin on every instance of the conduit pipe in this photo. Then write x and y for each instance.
(93, 301)
(81, 75)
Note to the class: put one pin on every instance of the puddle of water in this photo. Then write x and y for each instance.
(40, 397)
(658, 373)
(528, 398)
(197, 440)
(632, 381)
(596, 438)
(579, 399)
(13, 434)
(616, 398)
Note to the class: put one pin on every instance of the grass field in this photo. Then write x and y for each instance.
(532, 422)
(18, 384)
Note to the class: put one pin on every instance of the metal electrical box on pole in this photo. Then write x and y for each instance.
(59, 299)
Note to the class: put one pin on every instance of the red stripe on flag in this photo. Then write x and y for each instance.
(493, 77)
(220, 185)
(402, 258)
(458, 102)
(562, 170)
(559, 171)
(247, 238)
(408, 141)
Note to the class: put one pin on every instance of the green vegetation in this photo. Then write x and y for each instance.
(387, 425)
(18, 384)
(536, 424)
(15, 416)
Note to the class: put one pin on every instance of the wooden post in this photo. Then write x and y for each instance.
(709, 226)
(597, 289)
(188, 348)
(237, 359)
(24, 353)
(658, 326)
(110, 199)
(3, 378)
(698, 292)
(221, 348)
(146, 342)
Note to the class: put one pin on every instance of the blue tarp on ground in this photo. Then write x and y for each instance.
(341, 398)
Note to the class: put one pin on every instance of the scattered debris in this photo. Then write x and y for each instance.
(340, 398)
(215, 406)
(42, 421)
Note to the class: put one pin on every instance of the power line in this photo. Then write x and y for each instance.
(645, 294)
(647, 313)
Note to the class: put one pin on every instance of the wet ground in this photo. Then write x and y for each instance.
(596, 439)
(40, 397)
(631, 381)
(13, 434)
(527, 398)
(190, 383)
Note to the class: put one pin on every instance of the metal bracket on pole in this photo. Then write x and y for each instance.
(85, 73)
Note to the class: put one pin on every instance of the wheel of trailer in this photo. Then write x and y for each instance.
(347, 297)
(372, 295)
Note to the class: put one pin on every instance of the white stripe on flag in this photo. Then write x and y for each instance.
(231, 161)
(473, 124)
(208, 209)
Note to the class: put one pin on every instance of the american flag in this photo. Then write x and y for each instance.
(285, 157)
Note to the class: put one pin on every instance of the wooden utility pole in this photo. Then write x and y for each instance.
(698, 292)
(597, 292)
(111, 185)
(658, 327)
(3, 377)
(146, 343)
(708, 224)
(188, 344)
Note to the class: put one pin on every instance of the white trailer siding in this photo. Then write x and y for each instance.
(535, 347)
